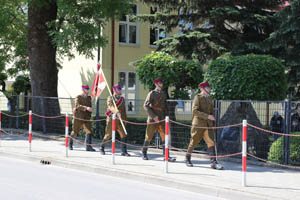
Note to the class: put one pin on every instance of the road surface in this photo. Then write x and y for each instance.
(22, 180)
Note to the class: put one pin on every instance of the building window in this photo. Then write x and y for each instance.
(157, 32)
(128, 29)
(128, 83)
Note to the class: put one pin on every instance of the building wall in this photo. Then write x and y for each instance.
(82, 71)
(124, 54)
(75, 73)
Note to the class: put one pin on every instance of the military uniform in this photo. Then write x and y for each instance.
(201, 109)
(81, 115)
(111, 109)
(155, 105)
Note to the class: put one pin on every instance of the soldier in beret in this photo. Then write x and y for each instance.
(120, 112)
(157, 109)
(203, 116)
(82, 114)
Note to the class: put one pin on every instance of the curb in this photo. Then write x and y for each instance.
(219, 192)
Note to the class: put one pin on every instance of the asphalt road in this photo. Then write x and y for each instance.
(22, 180)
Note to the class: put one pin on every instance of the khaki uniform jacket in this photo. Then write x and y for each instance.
(202, 107)
(81, 104)
(113, 109)
(156, 105)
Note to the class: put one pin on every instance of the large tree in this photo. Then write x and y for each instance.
(54, 28)
(213, 27)
(284, 43)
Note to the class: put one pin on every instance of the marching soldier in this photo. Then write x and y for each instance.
(82, 113)
(203, 116)
(156, 108)
(120, 112)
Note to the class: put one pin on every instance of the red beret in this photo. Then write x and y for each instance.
(204, 85)
(158, 80)
(85, 87)
(117, 87)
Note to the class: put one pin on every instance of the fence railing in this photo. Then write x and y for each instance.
(49, 118)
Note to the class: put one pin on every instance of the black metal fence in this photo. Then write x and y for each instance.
(263, 116)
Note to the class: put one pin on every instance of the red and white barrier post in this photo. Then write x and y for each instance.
(113, 140)
(67, 134)
(0, 128)
(166, 143)
(30, 130)
(244, 153)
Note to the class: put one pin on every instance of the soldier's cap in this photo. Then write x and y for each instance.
(86, 87)
(158, 80)
(117, 87)
(204, 85)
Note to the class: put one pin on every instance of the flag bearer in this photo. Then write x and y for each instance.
(120, 112)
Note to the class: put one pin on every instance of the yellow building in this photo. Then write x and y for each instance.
(127, 41)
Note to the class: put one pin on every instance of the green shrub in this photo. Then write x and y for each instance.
(247, 77)
(276, 150)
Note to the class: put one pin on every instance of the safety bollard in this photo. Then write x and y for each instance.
(166, 143)
(244, 153)
(0, 129)
(113, 140)
(30, 130)
(67, 134)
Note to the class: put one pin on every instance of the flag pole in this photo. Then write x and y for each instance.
(113, 100)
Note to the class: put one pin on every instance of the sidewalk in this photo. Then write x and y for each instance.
(262, 182)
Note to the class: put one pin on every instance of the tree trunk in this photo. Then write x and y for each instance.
(42, 57)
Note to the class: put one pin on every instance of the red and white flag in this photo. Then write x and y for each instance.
(99, 83)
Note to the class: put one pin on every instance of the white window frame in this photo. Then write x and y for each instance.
(128, 23)
(157, 28)
(125, 92)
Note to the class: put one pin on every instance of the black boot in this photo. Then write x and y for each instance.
(124, 147)
(88, 140)
(144, 150)
(213, 161)
(170, 159)
(102, 152)
(70, 143)
(188, 156)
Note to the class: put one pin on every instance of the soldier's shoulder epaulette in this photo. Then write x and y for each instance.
(78, 96)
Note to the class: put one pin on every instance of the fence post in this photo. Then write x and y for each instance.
(67, 134)
(166, 143)
(286, 139)
(244, 153)
(113, 140)
(217, 112)
(43, 114)
(17, 112)
(0, 128)
(30, 130)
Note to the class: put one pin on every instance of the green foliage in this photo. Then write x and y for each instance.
(276, 150)
(21, 84)
(178, 75)
(211, 27)
(77, 24)
(191, 45)
(248, 77)
(284, 43)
